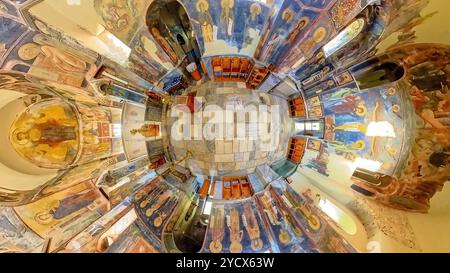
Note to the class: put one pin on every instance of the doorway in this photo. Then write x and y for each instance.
(168, 23)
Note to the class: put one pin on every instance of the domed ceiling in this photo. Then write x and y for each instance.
(232, 126)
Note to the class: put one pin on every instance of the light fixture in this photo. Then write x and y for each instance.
(367, 164)
(207, 208)
(380, 128)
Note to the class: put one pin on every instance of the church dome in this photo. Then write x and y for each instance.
(47, 134)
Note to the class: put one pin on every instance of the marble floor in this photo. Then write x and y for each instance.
(240, 146)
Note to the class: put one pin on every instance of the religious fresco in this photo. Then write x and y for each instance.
(134, 235)
(168, 27)
(149, 56)
(177, 175)
(312, 222)
(351, 113)
(357, 40)
(82, 95)
(71, 47)
(140, 67)
(89, 239)
(156, 208)
(58, 38)
(236, 227)
(63, 214)
(137, 132)
(343, 11)
(219, 22)
(121, 17)
(329, 30)
(319, 34)
(406, 16)
(15, 237)
(367, 36)
(291, 23)
(119, 193)
(67, 68)
(116, 230)
(214, 24)
(10, 31)
(9, 9)
(145, 45)
(47, 134)
(349, 120)
(122, 93)
(166, 47)
(134, 232)
(121, 72)
(288, 234)
(317, 64)
(424, 166)
(284, 167)
(77, 174)
(37, 56)
(173, 82)
(242, 20)
(22, 83)
(154, 110)
(269, 83)
(96, 140)
(227, 26)
(185, 210)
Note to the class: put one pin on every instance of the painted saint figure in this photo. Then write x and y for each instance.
(67, 206)
(50, 133)
(350, 104)
(205, 21)
(285, 43)
(115, 17)
(48, 137)
(226, 18)
(148, 48)
(164, 44)
(250, 23)
(278, 37)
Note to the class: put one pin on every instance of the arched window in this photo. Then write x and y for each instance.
(340, 217)
(169, 25)
(344, 37)
(314, 128)
(380, 74)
